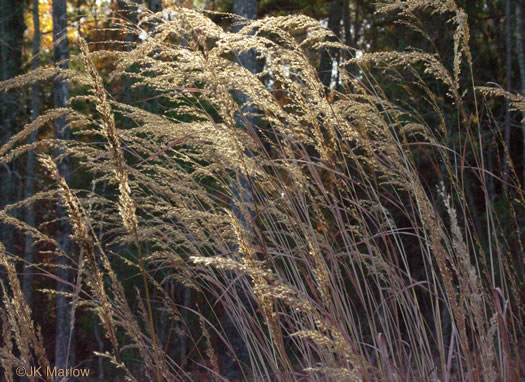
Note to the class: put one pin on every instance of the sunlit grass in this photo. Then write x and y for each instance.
(350, 260)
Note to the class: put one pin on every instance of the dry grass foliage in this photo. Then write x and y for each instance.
(358, 270)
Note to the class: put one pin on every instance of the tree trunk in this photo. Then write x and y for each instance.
(347, 37)
(64, 353)
(12, 28)
(27, 283)
(357, 25)
(248, 10)
(155, 5)
(521, 62)
(129, 13)
(327, 56)
(100, 343)
(508, 73)
(346, 23)
(241, 195)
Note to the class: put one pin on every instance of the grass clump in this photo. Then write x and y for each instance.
(361, 249)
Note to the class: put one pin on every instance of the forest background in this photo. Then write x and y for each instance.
(336, 194)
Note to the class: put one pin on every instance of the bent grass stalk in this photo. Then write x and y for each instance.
(126, 204)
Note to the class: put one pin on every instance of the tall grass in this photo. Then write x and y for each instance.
(372, 249)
